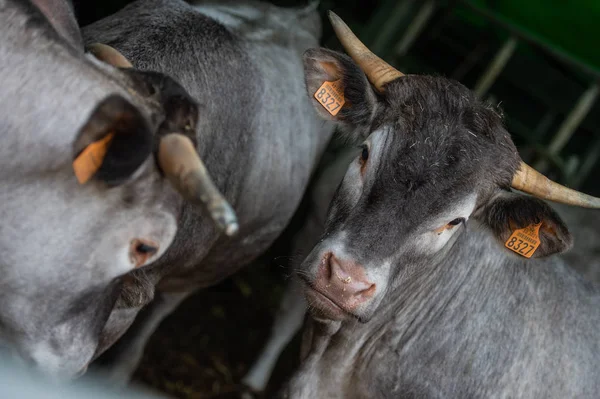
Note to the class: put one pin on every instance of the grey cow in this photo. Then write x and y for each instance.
(583, 257)
(82, 199)
(72, 251)
(413, 288)
(257, 133)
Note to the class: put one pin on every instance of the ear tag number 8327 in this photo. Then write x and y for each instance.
(525, 241)
(331, 96)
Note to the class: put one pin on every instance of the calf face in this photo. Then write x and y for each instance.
(83, 194)
(432, 158)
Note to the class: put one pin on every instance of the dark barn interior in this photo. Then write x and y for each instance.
(547, 87)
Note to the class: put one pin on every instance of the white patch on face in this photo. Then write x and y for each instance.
(435, 236)
(352, 183)
(355, 178)
(338, 245)
(380, 274)
(377, 142)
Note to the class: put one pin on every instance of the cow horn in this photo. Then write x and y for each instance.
(533, 182)
(377, 70)
(109, 55)
(185, 170)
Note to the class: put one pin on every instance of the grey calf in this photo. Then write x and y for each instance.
(82, 199)
(583, 257)
(68, 247)
(412, 290)
(257, 133)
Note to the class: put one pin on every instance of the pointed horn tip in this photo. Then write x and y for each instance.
(232, 229)
(333, 17)
(226, 219)
(336, 22)
(378, 71)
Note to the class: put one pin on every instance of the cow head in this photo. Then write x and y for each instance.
(88, 162)
(432, 157)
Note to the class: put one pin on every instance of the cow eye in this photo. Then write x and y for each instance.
(364, 155)
(141, 251)
(146, 249)
(456, 221)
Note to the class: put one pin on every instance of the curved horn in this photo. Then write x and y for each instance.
(185, 170)
(377, 70)
(533, 182)
(109, 55)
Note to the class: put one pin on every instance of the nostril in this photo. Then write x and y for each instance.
(348, 276)
(339, 271)
(369, 292)
(140, 251)
(327, 263)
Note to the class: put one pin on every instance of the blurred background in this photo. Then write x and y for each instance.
(537, 59)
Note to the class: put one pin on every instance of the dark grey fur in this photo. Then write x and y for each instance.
(63, 245)
(460, 318)
(257, 135)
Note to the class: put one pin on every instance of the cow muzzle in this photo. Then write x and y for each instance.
(340, 288)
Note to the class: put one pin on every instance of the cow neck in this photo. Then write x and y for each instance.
(474, 269)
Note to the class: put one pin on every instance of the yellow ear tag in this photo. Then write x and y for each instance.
(90, 159)
(525, 241)
(331, 96)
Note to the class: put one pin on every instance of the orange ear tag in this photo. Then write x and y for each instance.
(90, 159)
(331, 96)
(525, 241)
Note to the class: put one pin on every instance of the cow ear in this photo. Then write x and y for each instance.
(338, 88)
(112, 144)
(526, 226)
(61, 16)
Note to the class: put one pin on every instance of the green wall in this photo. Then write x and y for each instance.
(572, 26)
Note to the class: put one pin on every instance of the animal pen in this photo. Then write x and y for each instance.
(536, 59)
(527, 57)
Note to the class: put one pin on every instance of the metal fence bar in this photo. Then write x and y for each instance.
(570, 124)
(495, 67)
(415, 28)
(384, 32)
(587, 165)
